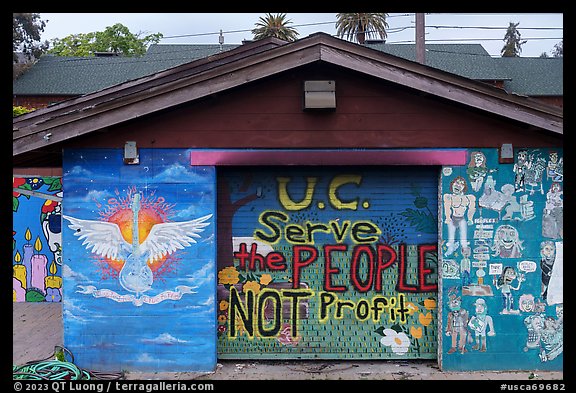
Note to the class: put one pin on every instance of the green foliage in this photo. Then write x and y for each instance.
(359, 26)
(274, 26)
(117, 39)
(20, 110)
(26, 30)
(422, 221)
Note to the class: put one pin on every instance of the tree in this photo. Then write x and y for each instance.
(358, 27)
(27, 28)
(116, 38)
(513, 43)
(558, 49)
(274, 26)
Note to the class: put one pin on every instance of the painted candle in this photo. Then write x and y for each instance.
(38, 268)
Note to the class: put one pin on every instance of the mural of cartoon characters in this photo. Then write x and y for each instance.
(504, 285)
(456, 324)
(481, 324)
(459, 208)
(546, 334)
(507, 243)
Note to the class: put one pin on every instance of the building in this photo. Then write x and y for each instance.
(313, 199)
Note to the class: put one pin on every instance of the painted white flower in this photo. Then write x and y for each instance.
(398, 342)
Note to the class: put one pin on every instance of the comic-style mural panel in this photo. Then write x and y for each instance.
(36, 239)
(327, 262)
(502, 262)
(139, 261)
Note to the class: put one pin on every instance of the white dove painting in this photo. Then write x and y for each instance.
(106, 239)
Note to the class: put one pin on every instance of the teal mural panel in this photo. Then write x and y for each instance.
(139, 261)
(502, 262)
(36, 239)
(327, 262)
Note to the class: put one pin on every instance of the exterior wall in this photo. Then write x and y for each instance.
(327, 263)
(140, 261)
(36, 239)
(369, 114)
(502, 262)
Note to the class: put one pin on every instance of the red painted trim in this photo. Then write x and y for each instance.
(329, 157)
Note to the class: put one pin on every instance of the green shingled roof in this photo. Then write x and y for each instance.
(533, 76)
(56, 75)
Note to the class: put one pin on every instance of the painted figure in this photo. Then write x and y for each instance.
(547, 258)
(507, 243)
(504, 285)
(456, 324)
(459, 209)
(520, 167)
(534, 324)
(477, 170)
(481, 324)
(552, 340)
(465, 266)
(554, 169)
(535, 173)
(552, 218)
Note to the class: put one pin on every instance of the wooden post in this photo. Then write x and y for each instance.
(420, 42)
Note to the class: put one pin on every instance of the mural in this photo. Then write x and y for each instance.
(139, 261)
(36, 239)
(327, 263)
(502, 262)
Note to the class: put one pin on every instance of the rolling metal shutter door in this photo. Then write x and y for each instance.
(327, 262)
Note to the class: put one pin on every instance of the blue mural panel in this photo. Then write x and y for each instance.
(502, 262)
(139, 261)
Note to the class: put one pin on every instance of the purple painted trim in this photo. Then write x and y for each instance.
(329, 157)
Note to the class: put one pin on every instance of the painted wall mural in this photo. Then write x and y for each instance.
(502, 262)
(327, 263)
(36, 239)
(139, 261)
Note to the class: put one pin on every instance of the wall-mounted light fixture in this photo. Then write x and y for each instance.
(319, 95)
(131, 156)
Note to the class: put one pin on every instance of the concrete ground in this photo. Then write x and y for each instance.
(34, 341)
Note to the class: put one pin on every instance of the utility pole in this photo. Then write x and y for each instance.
(420, 42)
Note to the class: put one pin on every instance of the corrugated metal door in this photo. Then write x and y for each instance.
(337, 262)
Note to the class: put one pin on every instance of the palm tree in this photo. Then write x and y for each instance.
(360, 26)
(513, 44)
(274, 26)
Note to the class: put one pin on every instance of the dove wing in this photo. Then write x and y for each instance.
(165, 238)
(100, 237)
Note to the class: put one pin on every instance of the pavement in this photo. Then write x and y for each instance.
(38, 330)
